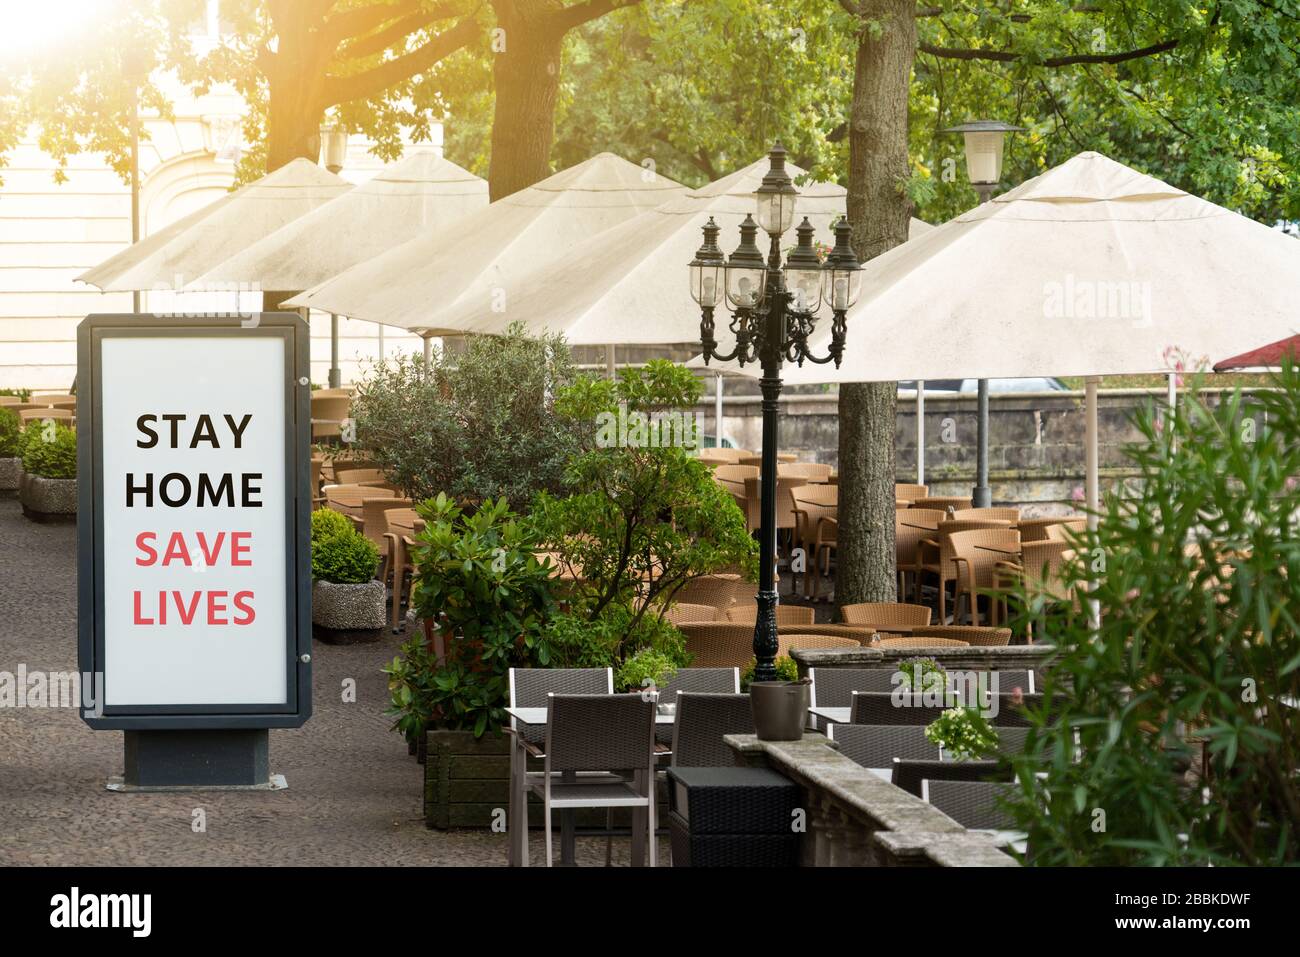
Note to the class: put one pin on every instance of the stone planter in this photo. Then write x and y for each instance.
(347, 614)
(48, 500)
(11, 471)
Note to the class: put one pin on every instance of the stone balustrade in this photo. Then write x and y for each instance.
(974, 658)
(855, 819)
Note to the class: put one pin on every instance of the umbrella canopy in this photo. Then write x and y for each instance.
(415, 283)
(1265, 357)
(421, 193)
(175, 256)
(1089, 269)
(610, 288)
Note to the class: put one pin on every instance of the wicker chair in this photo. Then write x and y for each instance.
(374, 525)
(912, 775)
(943, 503)
(679, 613)
(718, 644)
(876, 745)
(53, 400)
(785, 518)
(328, 414)
(786, 643)
(935, 556)
(920, 641)
(881, 615)
(910, 493)
(701, 721)
(978, 805)
(785, 614)
(810, 472)
(402, 524)
(532, 688)
(1067, 531)
(724, 455)
(1011, 515)
(351, 476)
(911, 527)
(719, 591)
(834, 687)
(64, 416)
(351, 499)
(883, 707)
(1038, 573)
(611, 739)
(980, 636)
(816, 508)
(696, 681)
(977, 555)
(756, 459)
(735, 473)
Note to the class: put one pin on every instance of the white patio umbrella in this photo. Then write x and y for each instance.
(610, 288)
(174, 257)
(1089, 269)
(421, 193)
(473, 266)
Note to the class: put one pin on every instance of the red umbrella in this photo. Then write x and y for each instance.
(1269, 356)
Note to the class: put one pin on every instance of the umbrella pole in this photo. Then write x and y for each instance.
(428, 352)
(1173, 408)
(920, 431)
(609, 360)
(336, 377)
(1091, 480)
(982, 495)
(717, 410)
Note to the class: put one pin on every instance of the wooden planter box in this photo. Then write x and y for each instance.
(465, 778)
(11, 469)
(48, 500)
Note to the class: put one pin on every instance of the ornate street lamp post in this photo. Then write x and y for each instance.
(773, 314)
(984, 142)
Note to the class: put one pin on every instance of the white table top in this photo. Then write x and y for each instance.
(836, 715)
(538, 716)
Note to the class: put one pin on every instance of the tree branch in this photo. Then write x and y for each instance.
(1006, 56)
(345, 89)
(397, 30)
(359, 21)
(580, 13)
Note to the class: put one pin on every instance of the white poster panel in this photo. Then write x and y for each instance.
(194, 549)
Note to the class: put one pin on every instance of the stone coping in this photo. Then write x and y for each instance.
(915, 828)
(976, 656)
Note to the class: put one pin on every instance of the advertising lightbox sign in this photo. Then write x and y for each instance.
(193, 457)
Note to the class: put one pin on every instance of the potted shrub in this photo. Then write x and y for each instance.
(48, 486)
(11, 462)
(347, 602)
(962, 734)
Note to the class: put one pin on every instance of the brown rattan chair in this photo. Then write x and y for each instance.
(351, 476)
(1039, 573)
(717, 591)
(963, 634)
(944, 503)
(786, 643)
(910, 493)
(679, 613)
(811, 472)
(935, 557)
(920, 641)
(52, 400)
(350, 499)
(1011, 515)
(977, 555)
(785, 518)
(63, 416)
(756, 459)
(730, 644)
(328, 414)
(911, 526)
(881, 615)
(735, 473)
(816, 512)
(785, 614)
(1067, 530)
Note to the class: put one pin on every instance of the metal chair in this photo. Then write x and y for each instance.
(702, 720)
(877, 745)
(599, 753)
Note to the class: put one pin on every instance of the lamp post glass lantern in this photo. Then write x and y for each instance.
(985, 141)
(774, 310)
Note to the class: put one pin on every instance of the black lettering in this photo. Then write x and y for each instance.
(225, 489)
(203, 432)
(238, 430)
(250, 490)
(175, 418)
(142, 424)
(166, 481)
(132, 490)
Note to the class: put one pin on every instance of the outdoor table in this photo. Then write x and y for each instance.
(348, 499)
(517, 817)
(833, 715)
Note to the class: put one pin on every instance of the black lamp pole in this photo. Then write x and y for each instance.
(774, 312)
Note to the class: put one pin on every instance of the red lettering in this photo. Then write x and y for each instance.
(217, 605)
(210, 557)
(187, 613)
(142, 542)
(239, 547)
(244, 602)
(176, 549)
(139, 617)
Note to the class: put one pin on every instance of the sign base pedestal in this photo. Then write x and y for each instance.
(197, 759)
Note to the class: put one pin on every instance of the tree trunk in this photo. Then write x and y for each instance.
(879, 212)
(526, 75)
(294, 77)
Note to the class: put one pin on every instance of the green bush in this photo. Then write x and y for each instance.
(1195, 573)
(786, 670)
(479, 424)
(344, 559)
(49, 450)
(478, 577)
(23, 395)
(327, 523)
(645, 669)
(11, 431)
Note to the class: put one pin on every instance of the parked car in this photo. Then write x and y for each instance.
(996, 386)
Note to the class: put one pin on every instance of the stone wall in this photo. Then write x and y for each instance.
(1036, 455)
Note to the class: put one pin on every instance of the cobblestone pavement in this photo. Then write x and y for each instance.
(354, 795)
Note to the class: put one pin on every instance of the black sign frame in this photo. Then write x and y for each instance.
(293, 330)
